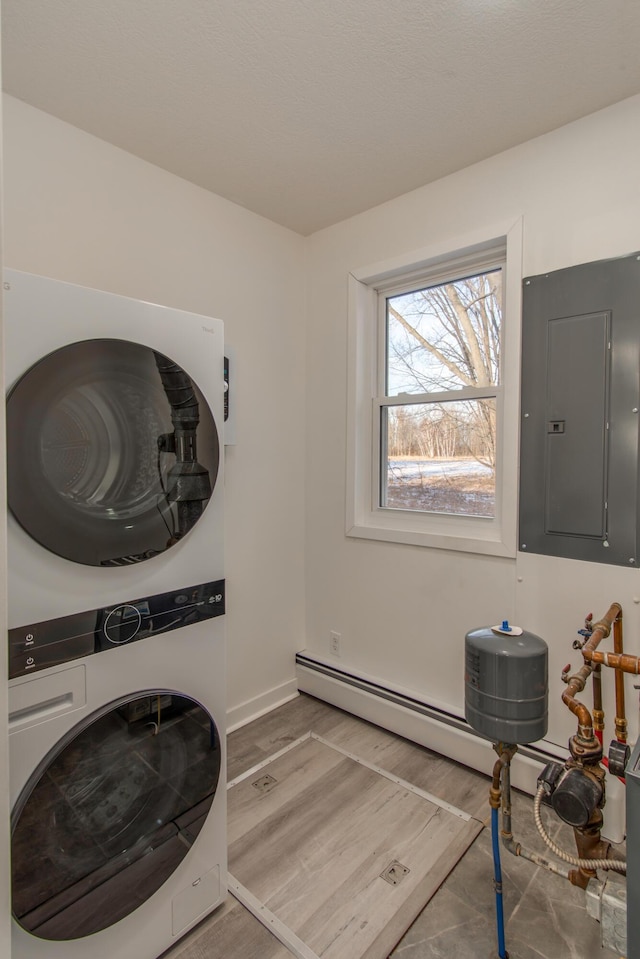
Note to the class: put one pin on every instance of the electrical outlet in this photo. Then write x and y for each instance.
(334, 642)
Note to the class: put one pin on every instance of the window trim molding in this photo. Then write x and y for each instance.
(364, 519)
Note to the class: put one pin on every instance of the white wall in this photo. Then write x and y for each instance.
(403, 611)
(80, 210)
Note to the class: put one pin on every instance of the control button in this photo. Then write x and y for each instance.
(122, 624)
(181, 599)
(28, 640)
(30, 661)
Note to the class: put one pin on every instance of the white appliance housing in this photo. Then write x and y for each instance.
(43, 315)
(49, 706)
(46, 707)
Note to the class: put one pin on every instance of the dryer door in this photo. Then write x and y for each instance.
(110, 814)
(113, 452)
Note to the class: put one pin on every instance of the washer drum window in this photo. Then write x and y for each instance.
(113, 452)
(111, 813)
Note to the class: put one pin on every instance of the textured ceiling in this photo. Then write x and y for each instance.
(308, 111)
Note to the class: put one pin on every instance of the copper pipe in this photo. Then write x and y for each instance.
(621, 661)
(598, 712)
(621, 719)
(577, 682)
(603, 626)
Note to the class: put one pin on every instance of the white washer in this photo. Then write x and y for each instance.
(116, 603)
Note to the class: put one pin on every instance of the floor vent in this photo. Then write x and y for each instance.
(394, 873)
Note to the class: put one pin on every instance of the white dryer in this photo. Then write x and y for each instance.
(116, 616)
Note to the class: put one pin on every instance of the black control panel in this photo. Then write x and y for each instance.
(41, 645)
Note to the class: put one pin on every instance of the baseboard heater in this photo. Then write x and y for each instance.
(416, 720)
(403, 713)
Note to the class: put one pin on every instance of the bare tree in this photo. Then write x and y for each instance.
(444, 338)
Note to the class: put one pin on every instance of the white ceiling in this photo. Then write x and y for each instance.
(309, 111)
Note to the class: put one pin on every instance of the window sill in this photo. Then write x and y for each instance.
(468, 536)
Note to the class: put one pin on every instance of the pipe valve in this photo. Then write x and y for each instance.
(619, 754)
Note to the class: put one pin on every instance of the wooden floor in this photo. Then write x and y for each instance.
(345, 810)
(343, 855)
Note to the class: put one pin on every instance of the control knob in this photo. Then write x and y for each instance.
(122, 624)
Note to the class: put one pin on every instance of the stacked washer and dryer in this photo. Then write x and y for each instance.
(116, 612)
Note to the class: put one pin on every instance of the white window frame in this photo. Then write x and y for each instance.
(364, 517)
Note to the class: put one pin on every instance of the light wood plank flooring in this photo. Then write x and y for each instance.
(545, 916)
(313, 844)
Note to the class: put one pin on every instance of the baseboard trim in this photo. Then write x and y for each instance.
(246, 712)
(402, 712)
(414, 719)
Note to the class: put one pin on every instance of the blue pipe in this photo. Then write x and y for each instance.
(497, 882)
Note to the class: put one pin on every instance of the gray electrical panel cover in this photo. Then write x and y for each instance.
(580, 403)
(633, 854)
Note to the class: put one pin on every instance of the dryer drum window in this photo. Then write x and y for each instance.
(108, 817)
(112, 451)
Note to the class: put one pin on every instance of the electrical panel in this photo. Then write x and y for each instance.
(580, 412)
(633, 854)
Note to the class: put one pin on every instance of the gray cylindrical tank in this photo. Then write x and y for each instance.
(506, 684)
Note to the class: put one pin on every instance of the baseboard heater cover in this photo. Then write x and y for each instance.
(414, 719)
(436, 729)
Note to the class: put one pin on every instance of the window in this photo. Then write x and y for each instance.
(433, 420)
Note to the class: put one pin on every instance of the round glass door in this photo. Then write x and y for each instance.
(112, 812)
(112, 452)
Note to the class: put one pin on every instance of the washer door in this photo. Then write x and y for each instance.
(111, 813)
(112, 452)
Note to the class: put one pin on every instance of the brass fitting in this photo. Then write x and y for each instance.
(586, 751)
(621, 729)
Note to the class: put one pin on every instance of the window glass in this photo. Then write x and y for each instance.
(440, 457)
(445, 337)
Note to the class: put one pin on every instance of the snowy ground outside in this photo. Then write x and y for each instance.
(459, 485)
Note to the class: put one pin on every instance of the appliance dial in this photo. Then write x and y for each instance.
(122, 624)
